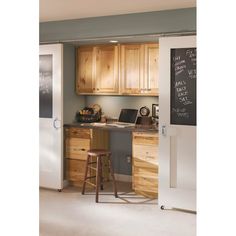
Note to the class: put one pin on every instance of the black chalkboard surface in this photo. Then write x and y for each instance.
(183, 86)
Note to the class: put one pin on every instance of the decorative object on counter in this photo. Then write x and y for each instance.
(144, 111)
(155, 110)
(144, 119)
(155, 114)
(89, 114)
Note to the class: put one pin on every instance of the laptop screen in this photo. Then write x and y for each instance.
(128, 115)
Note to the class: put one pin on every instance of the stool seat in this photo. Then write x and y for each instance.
(98, 152)
(99, 155)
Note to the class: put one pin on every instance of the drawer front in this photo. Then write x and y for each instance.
(149, 173)
(76, 148)
(145, 138)
(146, 152)
(75, 170)
(145, 181)
(145, 184)
(78, 133)
(144, 164)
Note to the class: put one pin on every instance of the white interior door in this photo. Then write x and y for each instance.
(177, 153)
(50, 116)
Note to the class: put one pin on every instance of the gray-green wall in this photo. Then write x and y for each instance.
(180, 20)
(71, 101)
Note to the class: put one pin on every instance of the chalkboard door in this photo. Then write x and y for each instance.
(183, 86)
(177, 119)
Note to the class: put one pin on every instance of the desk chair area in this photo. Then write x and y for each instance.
(79, 138)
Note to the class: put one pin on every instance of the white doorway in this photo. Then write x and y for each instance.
(50, 116)
(177, 124)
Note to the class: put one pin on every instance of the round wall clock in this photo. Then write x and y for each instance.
(144, 111)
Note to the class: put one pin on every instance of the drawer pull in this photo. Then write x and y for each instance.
(82, 149)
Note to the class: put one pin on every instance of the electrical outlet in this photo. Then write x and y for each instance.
(128, 159)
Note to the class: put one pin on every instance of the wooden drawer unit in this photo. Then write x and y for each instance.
(145, 164)
(75, 170)
(145, 138)
(76, 148)
(77, 141)
(78, 133)
(145, 146)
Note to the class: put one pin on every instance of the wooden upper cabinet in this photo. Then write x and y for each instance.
(139, 69)
(84, 76)
(151, 69)
(106, 69)
(97, 70)
(131, 68)
(126, 69)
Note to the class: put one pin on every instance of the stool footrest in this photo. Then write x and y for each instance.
(93, 168)
(94, 185)
(93, 162)
(90, 177)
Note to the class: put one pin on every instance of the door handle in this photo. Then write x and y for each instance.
(56, 123)
(168, 131)
(163, 130)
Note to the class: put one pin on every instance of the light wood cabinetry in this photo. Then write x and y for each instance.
(139, 69)
(106, 69)
(131, 68)
(145, 163)
(84, 73)
(151, 69)
(77, 142)
(126, 69)
(97, 70)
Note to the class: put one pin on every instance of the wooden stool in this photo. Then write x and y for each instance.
(99, 154)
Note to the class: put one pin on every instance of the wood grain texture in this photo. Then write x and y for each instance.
(84, 70)
(139, 69)
(126, 69)
(106, 69)
(145, 163)
(131, 70)
(151, 68)
(77, 142)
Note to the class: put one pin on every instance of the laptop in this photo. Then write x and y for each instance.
(127, 118)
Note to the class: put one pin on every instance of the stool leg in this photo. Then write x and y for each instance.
(85, 174)
(101, 177)
(97, 178)
(112, 176)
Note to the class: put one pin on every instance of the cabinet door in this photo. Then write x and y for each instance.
(151, 69)
(132, 68)
(84, 76)
(106, 69)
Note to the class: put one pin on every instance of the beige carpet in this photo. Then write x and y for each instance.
(69, 213)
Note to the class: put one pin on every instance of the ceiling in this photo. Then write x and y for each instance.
(54, 10)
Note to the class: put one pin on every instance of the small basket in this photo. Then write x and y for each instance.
(88, 118)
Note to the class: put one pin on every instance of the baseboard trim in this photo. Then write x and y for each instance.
(124, 178)
(65, 183)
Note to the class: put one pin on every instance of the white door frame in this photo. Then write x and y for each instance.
(51, 129)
